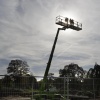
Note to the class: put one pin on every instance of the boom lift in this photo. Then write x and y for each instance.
(66, 23)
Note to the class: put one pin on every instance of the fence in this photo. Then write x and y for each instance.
(67, 87)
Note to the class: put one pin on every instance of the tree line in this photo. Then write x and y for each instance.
(80, 82)
(21, 68)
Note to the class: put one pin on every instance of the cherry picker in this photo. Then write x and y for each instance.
(65, 23)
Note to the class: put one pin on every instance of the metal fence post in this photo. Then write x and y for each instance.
(64, 86)
(32, 88)
(67, 87)
(93, 89)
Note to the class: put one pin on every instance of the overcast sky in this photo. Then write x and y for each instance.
(28, 29)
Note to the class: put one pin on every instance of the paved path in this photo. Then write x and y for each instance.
(15, 98)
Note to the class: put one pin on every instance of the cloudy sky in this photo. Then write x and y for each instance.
(28, 29)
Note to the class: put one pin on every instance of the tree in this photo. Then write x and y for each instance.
(18, 72)
(18, 67)
(94, 75)
(94, 72)
(75, 76)
(19, 76)
(72, 70)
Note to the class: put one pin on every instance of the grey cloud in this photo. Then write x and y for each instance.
(74, 57)
(27, 31)
(20, 8)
